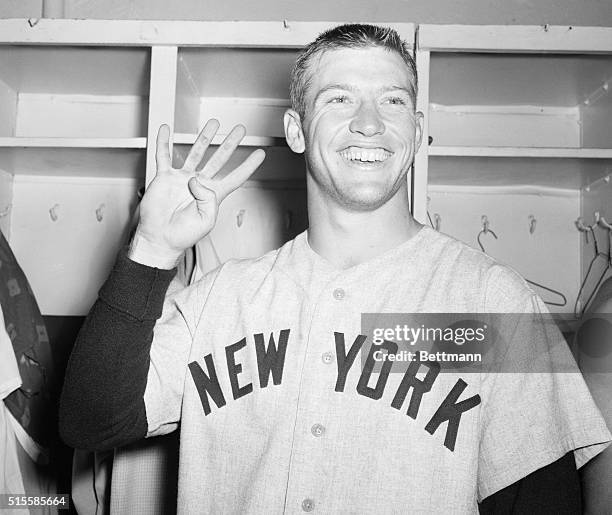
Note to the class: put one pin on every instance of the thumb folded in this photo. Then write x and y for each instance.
(200, 192)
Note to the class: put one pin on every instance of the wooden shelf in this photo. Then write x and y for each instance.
(275, 34)
(522, 172)
(248, 141)
(575, 153)
(73, 161)
(28, 142)
(517, 38)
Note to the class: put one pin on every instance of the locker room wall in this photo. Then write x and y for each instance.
(549, 256)
(527, 12)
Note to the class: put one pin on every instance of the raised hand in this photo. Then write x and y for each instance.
(180, 206)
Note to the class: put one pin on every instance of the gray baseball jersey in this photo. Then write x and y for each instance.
(255, 361)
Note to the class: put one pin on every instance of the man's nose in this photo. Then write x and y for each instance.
(367, 121)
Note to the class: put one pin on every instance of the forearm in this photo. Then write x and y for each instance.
(596, 480)
(554, 490)
(102, 403)
(597, 474)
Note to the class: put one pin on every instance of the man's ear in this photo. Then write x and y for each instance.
(293, 131)
(418, 136)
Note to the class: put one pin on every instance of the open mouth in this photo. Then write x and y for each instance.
(365, 155)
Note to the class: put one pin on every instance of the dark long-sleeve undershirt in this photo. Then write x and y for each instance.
(102, 404)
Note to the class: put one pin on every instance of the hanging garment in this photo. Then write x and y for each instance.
(91, 477)
(10, 473)
(33, 404)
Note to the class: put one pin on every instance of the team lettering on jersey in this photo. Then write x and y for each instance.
(271, 361)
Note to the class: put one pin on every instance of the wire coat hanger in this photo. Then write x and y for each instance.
(597, 253)
(485, 230)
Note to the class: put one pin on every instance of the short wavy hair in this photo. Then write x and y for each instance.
(347, 36)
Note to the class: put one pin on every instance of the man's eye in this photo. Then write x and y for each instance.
(342, 99)
(395, 101)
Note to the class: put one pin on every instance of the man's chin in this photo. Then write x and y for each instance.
(364, 200)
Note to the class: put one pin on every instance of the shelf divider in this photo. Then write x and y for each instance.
(248, 141)
(576, 153)
(28, 142)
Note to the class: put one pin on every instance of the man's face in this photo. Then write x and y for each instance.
(360, 129)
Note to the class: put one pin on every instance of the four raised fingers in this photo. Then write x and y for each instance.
(229, 183)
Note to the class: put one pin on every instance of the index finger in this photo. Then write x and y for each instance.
(162, 149)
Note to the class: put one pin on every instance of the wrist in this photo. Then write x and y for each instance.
(152, 254)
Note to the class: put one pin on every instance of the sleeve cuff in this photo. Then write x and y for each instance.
(146, 253)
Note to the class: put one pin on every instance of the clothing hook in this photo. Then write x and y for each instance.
(53, 212)
(601, 221)
(532, 224)
(485, 224)
(437, 222)
(100, 212)
(240, 217)
(485, 230)
(579, 223)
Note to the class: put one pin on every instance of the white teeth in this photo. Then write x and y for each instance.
(364, 155)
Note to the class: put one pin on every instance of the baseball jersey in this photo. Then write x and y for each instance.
(256, 362)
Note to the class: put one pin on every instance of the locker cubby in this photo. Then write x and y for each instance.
(522, 101)
(235, 85)
(73, 93)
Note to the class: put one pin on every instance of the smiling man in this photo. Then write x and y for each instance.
(258, 362)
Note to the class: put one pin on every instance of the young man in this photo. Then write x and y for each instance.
(258, 361)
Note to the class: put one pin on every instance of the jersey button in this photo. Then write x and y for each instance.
(339, 294)
(307, 505)
(317, 430)
(327, 357)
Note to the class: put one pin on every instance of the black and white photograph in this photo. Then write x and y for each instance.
(281, 257)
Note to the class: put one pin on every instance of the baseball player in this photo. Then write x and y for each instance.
(260, 365)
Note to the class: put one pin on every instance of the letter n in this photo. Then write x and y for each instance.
(207, 384)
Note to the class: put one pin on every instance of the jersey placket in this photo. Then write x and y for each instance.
(309, 477)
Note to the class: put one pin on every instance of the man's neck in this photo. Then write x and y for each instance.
(346, 238)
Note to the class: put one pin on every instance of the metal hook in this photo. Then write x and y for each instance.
(532, 224)
(437, 222)
(601, 221)
(579, 223)
(53, 212)
(100, 212)
(485, 230)
(240, 217)
(286, 25)
(485, 224)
